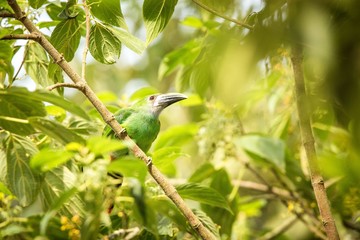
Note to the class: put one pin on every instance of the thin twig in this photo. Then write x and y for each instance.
(69, 85)
(245, 25)
(87, 38)
(20, 67)
(283, 227)
(6, 14)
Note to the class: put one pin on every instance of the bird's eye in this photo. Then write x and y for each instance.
(152, 97)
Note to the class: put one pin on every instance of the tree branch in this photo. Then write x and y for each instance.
(6, 14)
(169, 190)
(34, 37)
(245, 25)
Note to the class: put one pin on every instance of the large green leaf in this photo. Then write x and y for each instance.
(23, 182)
(104, 46)
(130, 41)
(164, 159)
(55, 130)
(36, 63)
(203, 194)
(6, 51)
(108, 11)
(208, 222)
(48, 158)
(66, 37)
(55, 75)
(32, 99)
(15, 110)
(271, 150)
(157, 14)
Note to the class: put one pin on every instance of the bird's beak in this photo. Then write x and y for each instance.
(164, 100)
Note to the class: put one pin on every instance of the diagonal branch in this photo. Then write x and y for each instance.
(207, 8)
(169, 189)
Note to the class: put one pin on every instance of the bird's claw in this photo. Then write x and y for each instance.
(149, 161)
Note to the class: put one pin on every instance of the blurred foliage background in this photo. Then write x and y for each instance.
(233, 149)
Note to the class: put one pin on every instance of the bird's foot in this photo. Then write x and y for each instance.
(149, 161)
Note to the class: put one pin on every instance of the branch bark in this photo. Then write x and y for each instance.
(309, 145)
(169, 190)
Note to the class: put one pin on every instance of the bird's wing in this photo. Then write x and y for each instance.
(120, 117)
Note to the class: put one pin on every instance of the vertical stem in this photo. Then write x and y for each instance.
(309, 145)
(87, 37)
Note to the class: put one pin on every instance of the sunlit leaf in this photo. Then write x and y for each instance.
(104, 46)
(203, 195)
(23, 182)
(271, 150)
(108, 11)
(48, 159)
(66, 37)
(156, 16)
(164, 158)
(133, 43)
(36, 63)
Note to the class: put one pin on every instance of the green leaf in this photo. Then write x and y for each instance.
(104, 46)
(101, 145)
(53, 10)
(129, 167)
(271, 150)
(7, 68)
(176, 136)
(208, 223)
(183, 56)
(157, 14)
(130, 41)
(164, 159)
(166, 155)
(23, 182)
(203, 194)
(55, 75)
(15, 110)
(36, 63)
(66, 37)
(36, 3)
(203, 172)
(108, 11)
(31, 105)
(48, 159)
(6, 51)
(55, 130)
(4, 189)
(70, 10)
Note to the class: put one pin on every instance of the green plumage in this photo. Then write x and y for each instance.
(141, 120)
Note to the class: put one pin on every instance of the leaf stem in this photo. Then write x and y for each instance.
(87, 38)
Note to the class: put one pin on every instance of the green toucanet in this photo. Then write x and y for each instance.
(141, 121)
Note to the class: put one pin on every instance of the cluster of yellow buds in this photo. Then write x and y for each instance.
(72, 226)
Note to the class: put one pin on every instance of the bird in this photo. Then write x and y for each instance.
(141, 123)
